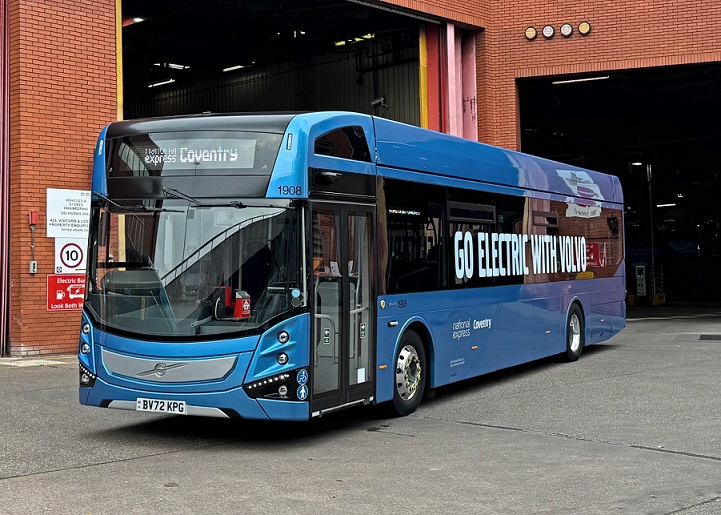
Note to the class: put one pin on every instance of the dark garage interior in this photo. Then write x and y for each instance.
(620, 123)
(270, 55)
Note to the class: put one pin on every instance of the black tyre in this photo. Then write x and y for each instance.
(410, 374)
(575, 333)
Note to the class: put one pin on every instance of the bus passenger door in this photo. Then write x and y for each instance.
(342, 352)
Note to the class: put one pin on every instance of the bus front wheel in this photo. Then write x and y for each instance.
(410, 374)
(575, 333)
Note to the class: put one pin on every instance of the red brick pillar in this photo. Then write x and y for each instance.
(62, 93)
(4, 183)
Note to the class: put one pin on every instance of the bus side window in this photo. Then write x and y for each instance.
(346, 143)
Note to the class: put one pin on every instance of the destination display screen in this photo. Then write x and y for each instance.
(193, 153)
(190, 154)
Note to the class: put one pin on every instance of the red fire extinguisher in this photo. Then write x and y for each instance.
(242, 305)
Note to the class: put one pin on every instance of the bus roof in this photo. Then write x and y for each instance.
(407, 147)
(414, 148)
(257, 122)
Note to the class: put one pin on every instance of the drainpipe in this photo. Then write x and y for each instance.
(4, 182)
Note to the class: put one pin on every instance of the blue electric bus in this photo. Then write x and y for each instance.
(283, 266)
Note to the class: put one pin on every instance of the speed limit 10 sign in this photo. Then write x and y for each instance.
(70, 255)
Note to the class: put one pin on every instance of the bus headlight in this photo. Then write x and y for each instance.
(87, 378)
(283, 337)
(86, 328)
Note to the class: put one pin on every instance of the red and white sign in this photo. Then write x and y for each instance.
(70, 255)
(66, 292)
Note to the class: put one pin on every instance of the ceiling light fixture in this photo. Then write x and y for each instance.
(161, 83)
(665, 205)
(364, 37)
(172, 65)
(587, 79)
(238, 67)
(132, 21)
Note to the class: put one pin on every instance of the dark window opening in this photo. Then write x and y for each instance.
(346, 143)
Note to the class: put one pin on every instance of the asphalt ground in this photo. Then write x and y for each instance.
(633, 427)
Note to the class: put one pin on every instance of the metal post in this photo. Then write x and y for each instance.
(650, 208)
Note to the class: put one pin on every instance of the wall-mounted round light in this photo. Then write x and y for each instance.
(548, 31)
(584, 28)
(531, 33)
(566, 30)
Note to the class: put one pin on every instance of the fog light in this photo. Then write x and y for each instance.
(85, 348)
(283, 337)
(86, 328)
(282, 358)
(84, 378)
(283, 391)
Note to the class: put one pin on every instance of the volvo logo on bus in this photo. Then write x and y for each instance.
(160, 369)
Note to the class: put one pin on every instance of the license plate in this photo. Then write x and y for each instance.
(161, 406)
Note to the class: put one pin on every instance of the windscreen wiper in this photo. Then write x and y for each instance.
(107, 200)
(173, 193)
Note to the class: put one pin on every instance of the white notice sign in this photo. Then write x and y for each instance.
(68, 213)
(70, 255)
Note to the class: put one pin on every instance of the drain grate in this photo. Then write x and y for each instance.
(710, 337)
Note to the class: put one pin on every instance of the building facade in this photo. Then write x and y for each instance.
(61, 79)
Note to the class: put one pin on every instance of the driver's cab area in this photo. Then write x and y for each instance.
(185, 270)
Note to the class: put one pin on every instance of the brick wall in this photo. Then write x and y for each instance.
(62, 92)
(624, 35)
(473, 13)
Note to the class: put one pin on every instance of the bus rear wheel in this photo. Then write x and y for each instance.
(410, 374)
(575, 333)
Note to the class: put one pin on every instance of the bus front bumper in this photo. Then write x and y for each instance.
(232, 403)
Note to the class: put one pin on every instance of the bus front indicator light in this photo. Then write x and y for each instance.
(85, 348)
(87, 378)
(282, 358)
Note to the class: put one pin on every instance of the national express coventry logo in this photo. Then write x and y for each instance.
(501, 254)
(186, 155)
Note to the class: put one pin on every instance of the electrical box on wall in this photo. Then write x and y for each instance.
(34, 217)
